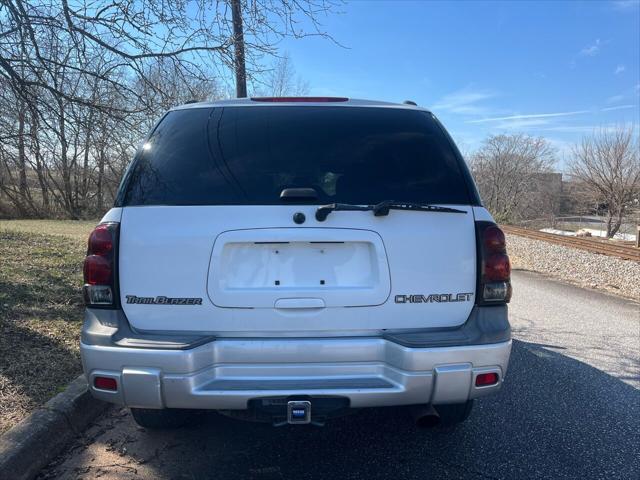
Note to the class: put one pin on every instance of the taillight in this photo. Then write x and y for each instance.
(493, 239)
(97, 270)
(100, 267)
(100, 240)
(497, 267)
(494, 268)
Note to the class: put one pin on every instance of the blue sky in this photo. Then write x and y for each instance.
(558, 69)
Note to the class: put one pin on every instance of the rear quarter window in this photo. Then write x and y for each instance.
(248, 155)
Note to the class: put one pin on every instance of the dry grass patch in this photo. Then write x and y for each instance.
(76, 229)
(40, 312)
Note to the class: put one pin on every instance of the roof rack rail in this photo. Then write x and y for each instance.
(190, 101)
(410, 102)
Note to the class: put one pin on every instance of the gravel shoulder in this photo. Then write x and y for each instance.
(579, 267)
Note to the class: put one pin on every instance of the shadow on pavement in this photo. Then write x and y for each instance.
(555, 418)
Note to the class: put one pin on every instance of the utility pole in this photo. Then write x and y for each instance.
(238, 43)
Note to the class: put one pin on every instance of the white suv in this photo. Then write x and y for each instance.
(290, 259)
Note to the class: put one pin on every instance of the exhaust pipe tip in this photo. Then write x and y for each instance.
(428, 421)
(425, 416)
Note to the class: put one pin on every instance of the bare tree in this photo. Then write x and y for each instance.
(507, 170)
(607, 165)
(282, 79)
(82, 82)
(192, 34)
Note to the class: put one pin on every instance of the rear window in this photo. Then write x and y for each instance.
(248, 155)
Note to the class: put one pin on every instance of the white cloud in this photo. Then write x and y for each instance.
(466, 102)
(617, 107)
(615, 99)
(563, 148)
(619, 69)
(521, 124)
(529, 117)
(625, 5)
(592, 50)
(572, 128)
(586, 129)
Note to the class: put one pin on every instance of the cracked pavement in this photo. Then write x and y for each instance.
(570, 408)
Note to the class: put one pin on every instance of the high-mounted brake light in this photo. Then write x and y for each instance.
(100, 267)
(494, 268)
(300, 99)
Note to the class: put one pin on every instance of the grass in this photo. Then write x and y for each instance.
(75, 229)
(40, 311)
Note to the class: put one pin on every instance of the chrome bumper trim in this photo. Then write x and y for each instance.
(227, 373)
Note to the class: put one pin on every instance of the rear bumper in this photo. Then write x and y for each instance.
(227, 373)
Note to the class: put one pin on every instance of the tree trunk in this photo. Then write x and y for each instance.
(67, 187)
(39, 163)
(616, 222)
(238, 44)
(609, 224)
(99, 187)
(23, 189)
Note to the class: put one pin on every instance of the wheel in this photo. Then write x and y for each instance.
(454, 413)
(163, 418)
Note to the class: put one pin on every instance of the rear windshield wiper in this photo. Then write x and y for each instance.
(381, 209)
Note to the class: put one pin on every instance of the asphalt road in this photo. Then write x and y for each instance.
(570, 408)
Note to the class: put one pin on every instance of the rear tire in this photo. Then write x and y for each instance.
(164, 418)
(454, 414)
